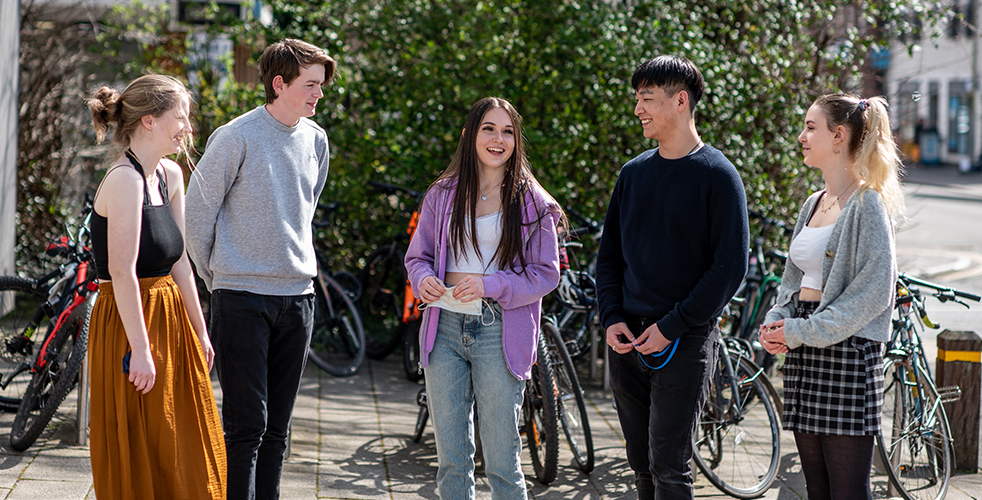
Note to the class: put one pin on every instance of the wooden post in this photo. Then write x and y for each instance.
(960, 364)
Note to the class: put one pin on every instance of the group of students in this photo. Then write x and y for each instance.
(485, 253)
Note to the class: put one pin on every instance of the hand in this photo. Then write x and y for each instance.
(469, 288)
(208, 350)
(431, 289)
(651, 340)
(143, 374)
(620, 338)
(772, 337)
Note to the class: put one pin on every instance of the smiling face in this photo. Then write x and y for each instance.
(495, 139)
(171, 129)
(657, 110)
(298, 99)
(817, 141)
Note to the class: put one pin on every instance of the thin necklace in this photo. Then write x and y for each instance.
(484, 196)
(825, 210)
(694, 148)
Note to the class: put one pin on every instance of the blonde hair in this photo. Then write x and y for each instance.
(871, 144)
(151, 95)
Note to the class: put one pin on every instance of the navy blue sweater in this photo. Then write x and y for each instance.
(675, 241)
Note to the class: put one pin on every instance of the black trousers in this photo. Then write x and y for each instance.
(260, 351)
(659, 410)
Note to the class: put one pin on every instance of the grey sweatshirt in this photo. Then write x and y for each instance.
(250, 202)
(859, 277)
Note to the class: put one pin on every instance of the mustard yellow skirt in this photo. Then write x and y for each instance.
(168, 443)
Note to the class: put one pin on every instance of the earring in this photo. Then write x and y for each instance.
(835, 150)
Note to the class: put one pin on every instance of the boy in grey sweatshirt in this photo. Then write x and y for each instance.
(250, 203)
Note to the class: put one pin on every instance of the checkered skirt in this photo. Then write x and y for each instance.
(835, 390)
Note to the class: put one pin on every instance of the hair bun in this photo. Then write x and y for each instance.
(104, 107)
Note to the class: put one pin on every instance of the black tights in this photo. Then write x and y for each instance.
(835, 467)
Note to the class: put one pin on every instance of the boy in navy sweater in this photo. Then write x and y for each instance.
(673, 252)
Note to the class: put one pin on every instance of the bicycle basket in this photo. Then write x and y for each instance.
(577, 290)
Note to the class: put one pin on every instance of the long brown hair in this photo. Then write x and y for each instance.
(871, 144)
(518, 182)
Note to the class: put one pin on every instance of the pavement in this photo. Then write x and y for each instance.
(351, 437)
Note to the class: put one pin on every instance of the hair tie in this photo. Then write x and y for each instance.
(863, 104)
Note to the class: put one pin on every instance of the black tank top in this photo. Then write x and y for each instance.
(161, 243)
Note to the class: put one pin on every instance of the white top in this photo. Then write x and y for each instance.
(488, 239)
(807, 252)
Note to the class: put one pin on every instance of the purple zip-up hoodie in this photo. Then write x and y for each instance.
(519, 294)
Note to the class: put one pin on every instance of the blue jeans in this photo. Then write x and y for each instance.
(659, 410)
(468, 363)
(260, 351)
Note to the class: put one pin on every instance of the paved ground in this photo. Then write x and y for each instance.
(351, 438)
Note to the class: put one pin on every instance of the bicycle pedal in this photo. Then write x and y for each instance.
(949, 394)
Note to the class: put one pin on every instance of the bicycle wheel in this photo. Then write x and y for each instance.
(51, 383)
(570, 404)
(337, 344)
(422, 416)
(541, 421)
(915, 440)
(19, 301)
(738, 451)
(383, 283)
(410, 352)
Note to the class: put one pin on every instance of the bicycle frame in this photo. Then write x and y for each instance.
(84, 285)
(410, 305)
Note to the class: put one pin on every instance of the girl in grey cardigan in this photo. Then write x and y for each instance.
(833, 309)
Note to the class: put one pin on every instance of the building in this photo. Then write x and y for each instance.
(934, 92)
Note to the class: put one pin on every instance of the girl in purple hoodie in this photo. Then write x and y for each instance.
(483, 256)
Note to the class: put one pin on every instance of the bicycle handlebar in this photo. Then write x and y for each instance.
(942, 293)
(787, 228)
(591, 226)
(393, 189)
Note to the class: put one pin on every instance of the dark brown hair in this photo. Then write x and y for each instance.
(286, 57)
(518, 181)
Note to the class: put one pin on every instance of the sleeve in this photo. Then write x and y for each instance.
(729, 237)
(869, 293)
(210, 182)
(420, 256)
(610, 262)
(541, 275)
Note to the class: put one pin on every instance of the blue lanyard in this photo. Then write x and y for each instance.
(674, 346)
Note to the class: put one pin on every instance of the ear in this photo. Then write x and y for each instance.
(147, 122)
(278, 84)
(839, 136)
(682, 100)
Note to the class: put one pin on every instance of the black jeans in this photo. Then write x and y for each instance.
(659, 410)
(260, 352)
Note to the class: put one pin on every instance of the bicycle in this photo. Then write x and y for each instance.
(757, 292)
(737, 440)
(570, 404)
(337, 343)
(915, 439)
(540, 412)
(61, 303)
(392, 313)
(575, 309)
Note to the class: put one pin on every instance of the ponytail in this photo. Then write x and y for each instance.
(878, 160)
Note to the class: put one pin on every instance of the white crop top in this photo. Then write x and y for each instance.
(488, 238)
(807, 252)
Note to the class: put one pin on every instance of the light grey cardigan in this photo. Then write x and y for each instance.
(859, 276)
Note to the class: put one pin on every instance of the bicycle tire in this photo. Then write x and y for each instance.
(738, 454)
(919, 455)
(51, 384)
(422, 416)
(410, 352)
(541, 418)
(571, 406)
(337, 343)
(383, 283)
(19, 300)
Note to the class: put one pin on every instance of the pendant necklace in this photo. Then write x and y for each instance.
(825, 210)
(484, 196)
